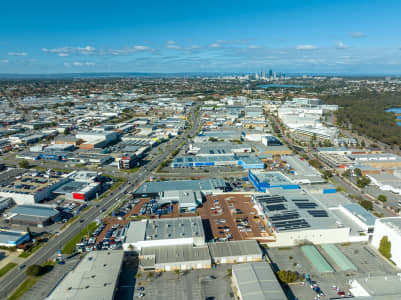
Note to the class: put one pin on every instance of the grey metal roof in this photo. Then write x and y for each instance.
(193, 185)
(8, 236)
(95, 277)
(166, 228)
(235, 248)
(256, 281)
(361, 213)
(175, 254)
(34, 210)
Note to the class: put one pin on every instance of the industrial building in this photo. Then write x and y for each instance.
(32, 189)
(97, 139)
(206, 186)
(12, 238)
(295, 217)
(263, 181)
(390, 227)
(301, 172)
(35, 215)
(164, 232)
(256, 281)
(188, 201)
(95, 277)
(377, 160)
(6, 202)
(232, 252)
(359, 215)
(387, 182)
(384, 287)
(246, 162)
(78, 190)
(175, 257)
(218, 149)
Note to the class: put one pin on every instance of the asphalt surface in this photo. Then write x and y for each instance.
(15, 277)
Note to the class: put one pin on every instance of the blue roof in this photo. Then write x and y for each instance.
(361, 213)
(34, 210)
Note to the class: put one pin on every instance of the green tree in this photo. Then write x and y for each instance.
(366, 204)
(34, 270)
(358, 172)
(382, 198)
(177, 272)
(327, 174)
(363, 181)
(24, 164)
(289, 276)
(385, 247)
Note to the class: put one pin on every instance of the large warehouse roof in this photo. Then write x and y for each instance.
(256, 281)
(34, 210)
(7, 236)
(292, 210)
(174, 254)
(163, 229)
(95, 277)
(234, 248)
(193, 185)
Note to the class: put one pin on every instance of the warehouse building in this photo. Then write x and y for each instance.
(295, 217)
(263, 181)
(380, 287)
(188, 201)
(95, 277)
(206, 186)
(377, 160)
(176, 257)
(79, 190)
(11, 238)
(390, 227)
(32, 189)
(359, 215)
(386, 182)
(164, 232)
(256, 281)
(246, 162)
(34, 215)
(6, 202)
(97, 139)
(232, 252)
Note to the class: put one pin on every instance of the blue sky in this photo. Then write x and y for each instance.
(345, 37)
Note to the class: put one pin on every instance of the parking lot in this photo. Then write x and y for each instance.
(196, 284)
(364, 257)
(232, 217)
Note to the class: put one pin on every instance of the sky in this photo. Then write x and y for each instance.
(334, 37)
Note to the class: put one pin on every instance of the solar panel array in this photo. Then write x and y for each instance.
(318, 213)
(306, 205)
(291, 225)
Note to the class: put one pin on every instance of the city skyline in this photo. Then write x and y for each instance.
(346, 37)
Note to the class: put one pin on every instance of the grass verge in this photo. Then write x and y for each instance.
(28, 283)
(70, 246)
(32, 250)
(8, 267)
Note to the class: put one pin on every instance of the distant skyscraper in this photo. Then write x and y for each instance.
(270, 73)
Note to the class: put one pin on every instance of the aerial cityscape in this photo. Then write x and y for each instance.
(206, 151)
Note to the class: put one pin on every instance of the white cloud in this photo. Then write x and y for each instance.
(171, 42)
(254, 47)
(80, 50)
(63, 54)
(173, 46)
(341, 45)
(17, 53)
(357, 35)
(306, 47)
(79, 64)
(215, 45)
(4, 61)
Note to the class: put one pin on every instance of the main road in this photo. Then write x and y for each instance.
(15, 277)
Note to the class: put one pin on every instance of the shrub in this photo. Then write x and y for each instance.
(34, 270)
